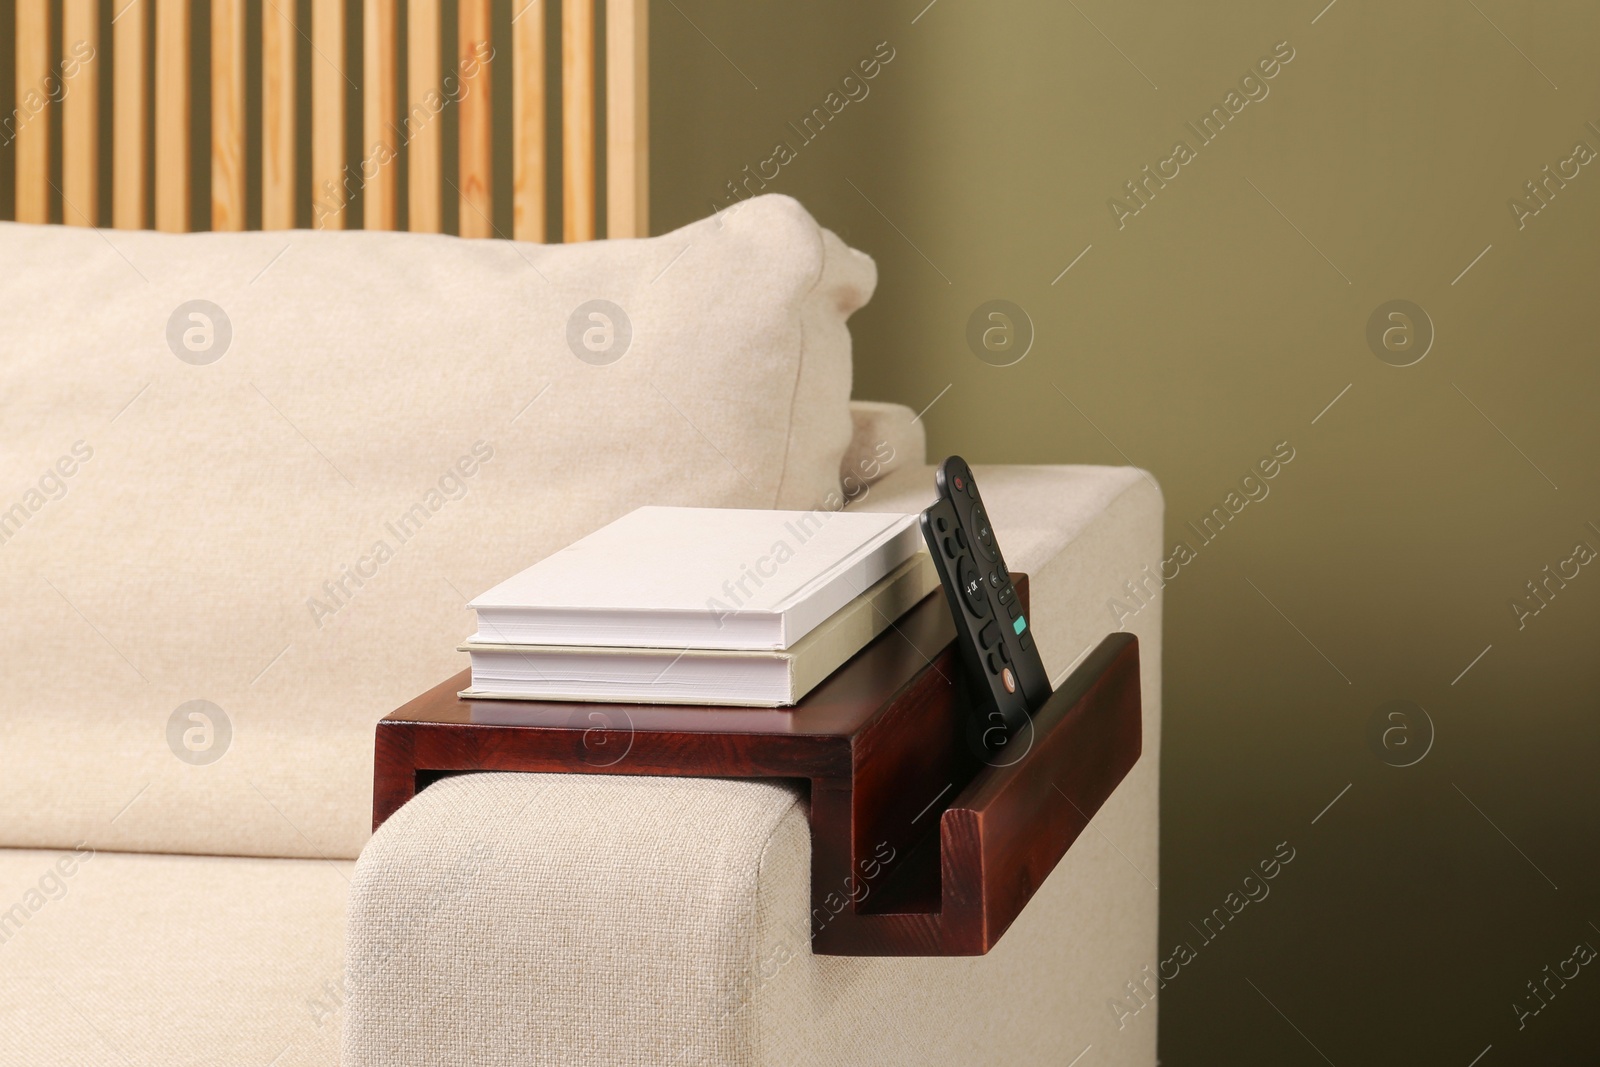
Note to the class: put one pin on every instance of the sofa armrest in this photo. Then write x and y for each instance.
(588, 919)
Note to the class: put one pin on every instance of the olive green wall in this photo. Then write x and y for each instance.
(1218, 322)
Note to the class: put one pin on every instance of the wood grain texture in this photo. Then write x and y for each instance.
(577, 120)
(380, 95)
(476, 156)
(330, 192)
(921, 845)
(35, 109)
(627, 118)
(528, 188)
(130, 116)
(422, 123)
(1086, 739)
(151, 136)
(278, 36)
(172, 115)
(227, 115)
(80, 112)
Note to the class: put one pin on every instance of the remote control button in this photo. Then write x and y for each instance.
(1007, 595)
(989, 636)
(1014, 610)
(1019, 624)
(994, 580)
(994, 664)
(940, 523)
(960, 483)
(984, 535)
(1009, 679)
(972, 587)
(950, 548)
(1027, 642)
(961, 539)
(1005, 655)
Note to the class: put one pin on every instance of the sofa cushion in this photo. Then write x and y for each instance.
(886, 438)
(173, 961)
(247, 482)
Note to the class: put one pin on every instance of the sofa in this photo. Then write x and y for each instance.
(248, 483)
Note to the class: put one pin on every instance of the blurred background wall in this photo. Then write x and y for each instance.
(1193, 338)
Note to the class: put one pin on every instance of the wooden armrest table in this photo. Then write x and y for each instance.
(920, 846)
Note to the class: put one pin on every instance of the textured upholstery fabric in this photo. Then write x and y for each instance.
(175, 961)
(644, 916)
(289, 531)
(504, 920)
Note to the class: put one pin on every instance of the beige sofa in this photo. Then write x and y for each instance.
(234, 534)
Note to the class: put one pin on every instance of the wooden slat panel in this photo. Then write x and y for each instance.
(33, 111)
(80, 113)
(328, 193)
(379, 97)
(172, 115)
(476, 154)
(627, 118)
(278, 33)
(422, 122)
(577, 120)
(227, 115)
(528, 125)
(130, 117)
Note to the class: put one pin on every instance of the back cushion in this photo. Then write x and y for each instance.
(248, 482)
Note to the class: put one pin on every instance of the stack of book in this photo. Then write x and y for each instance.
(698, 606)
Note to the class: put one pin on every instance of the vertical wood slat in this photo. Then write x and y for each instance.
(328, 193)
(130, 119)
(278, 34)
(528, 125)
(33, 110)
(476, 166)
(577, 120)
(172, 115)
(227, 115)
(626, 180)
(627, 118)
(80, 112)
(422, 123)
(380, 169)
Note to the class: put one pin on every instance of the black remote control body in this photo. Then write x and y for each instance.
(993, 634)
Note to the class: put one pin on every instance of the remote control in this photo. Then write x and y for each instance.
(993, 634)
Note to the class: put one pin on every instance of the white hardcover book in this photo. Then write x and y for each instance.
(717, 578)
(771, 678)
